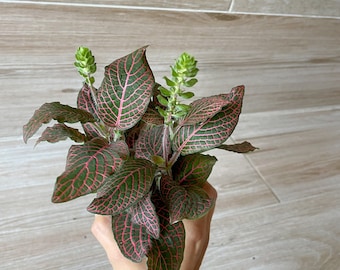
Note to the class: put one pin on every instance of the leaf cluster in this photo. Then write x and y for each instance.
(141, 150)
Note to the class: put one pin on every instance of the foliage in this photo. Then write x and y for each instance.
(141, 150)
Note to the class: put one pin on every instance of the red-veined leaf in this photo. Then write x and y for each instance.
(55, 110)
(185, 201)
(60, 132)
(144, 214)
(124, 188)
(204, 108)
(125, 92)
(131, 135)
(167, 251)
(85, 101)
(193, 169)
(87, 167)
(121, 148)
(152, 116)
(133, 240)
(150, 142)
(212, 132)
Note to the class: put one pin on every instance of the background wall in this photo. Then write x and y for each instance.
(323, 8)
(328, 8)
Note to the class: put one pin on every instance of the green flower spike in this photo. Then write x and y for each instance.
(85, 64)
(183, 75)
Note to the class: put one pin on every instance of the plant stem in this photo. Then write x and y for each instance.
(165, 142)
(93, 91)
(173, 158)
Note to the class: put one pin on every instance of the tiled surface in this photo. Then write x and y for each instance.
(309, 8)
(216, 5)
(299, 164)
(305, 236)
(327, 8)
(277, 207)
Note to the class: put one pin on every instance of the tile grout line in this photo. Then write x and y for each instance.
(325, 108)
(113, 6)
(231, 6)
(263, 179)
(229, 12)
(259, 174)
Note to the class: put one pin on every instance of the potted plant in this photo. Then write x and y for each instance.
(141, 150)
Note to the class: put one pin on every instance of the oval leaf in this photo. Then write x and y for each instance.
(152, 117)
(85, 101)
(185, 201)
(204, 108)
(61, 132)
(167, 251)
(193, 169)
(125, 92)
(87, 167)
(149, 142)
(55, 110)
(133, 240)
(144, 214)
(212, 132)
(121, 148)
(124, 188)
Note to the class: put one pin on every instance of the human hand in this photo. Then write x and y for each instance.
(196, 240)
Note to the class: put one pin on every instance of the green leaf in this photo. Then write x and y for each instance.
(183, 107)
(61, 132)
(162, 100)
(169, 82)
(162, 112)
(125, 92)
(187, 95)
(190, 83)
(165, 92)
(55, 110)
(124, 188)
(174, 72)
(155, 92)
(158, 160)
(179, 115)
(87, 168)
(90, 80)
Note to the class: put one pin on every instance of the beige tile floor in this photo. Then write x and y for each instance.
(278, 207)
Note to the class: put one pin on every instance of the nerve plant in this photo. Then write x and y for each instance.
(140, 150)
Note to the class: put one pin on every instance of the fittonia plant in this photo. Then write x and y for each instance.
(141, 150)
